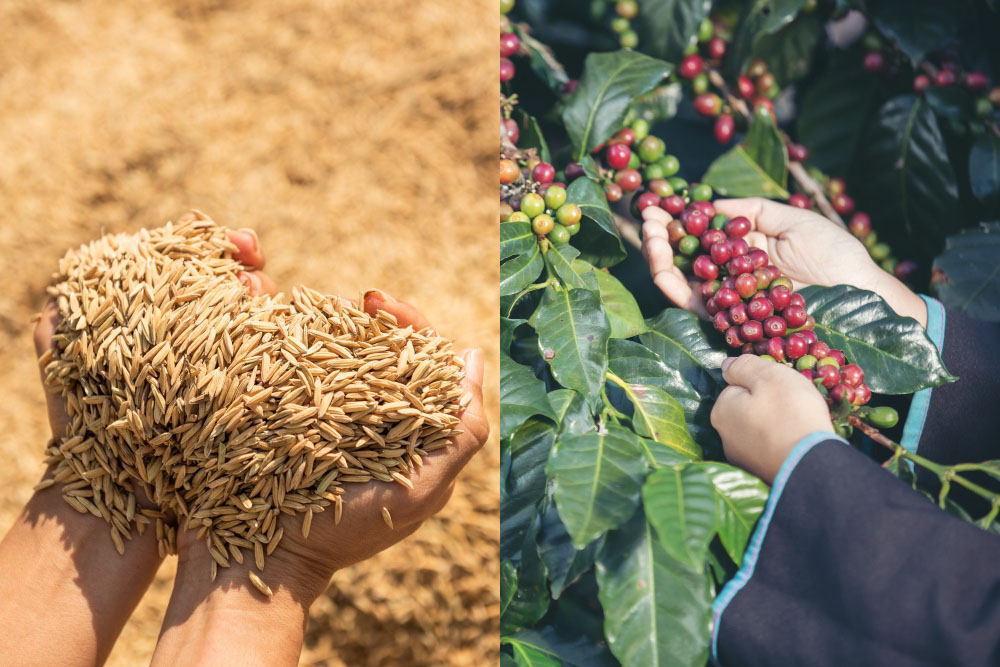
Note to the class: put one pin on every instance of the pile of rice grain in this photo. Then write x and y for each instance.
(229, 409)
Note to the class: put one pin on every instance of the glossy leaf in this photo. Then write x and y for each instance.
(657, 611)
(508, 326)
(531, 598)
(598, 239)
(967, 273)
(637, 364)
(564, 562)
(573, 336)
(894, 351)
(760, 19)
(949, 102)
(561, 260)
(834, 111)
(668, 27)
(520, 271)
(522, 395)
(528, 655)
(571, 634)
(917, 26)
(516, 238)
(607, 86)
(542, 64)
(789, 51)
(756, 168)
(596, 481)
(680, 503)
(689, 345)
(508, 584)
(740, 500)
(531, 135)
(619, 305)
(904, 176)
(571, 412)
(524, 484)
(984, 168)
(659, 416)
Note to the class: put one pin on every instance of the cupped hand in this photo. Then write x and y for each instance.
(304, 565)
(249, 254)
(766, 409)
(805, 246)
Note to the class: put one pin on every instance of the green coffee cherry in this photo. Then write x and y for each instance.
(689, 245)
(532, 205)
(805, 362)
(882, 417)
(671, 165)
(640, 128)
(555, 196)
(518, 216)
(701, 192)
(559, 234)
(651, 149)
(719, 221)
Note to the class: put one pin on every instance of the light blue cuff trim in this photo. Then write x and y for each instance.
(737, 583)
(914, 426)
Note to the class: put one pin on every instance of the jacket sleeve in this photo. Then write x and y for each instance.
(849, 565)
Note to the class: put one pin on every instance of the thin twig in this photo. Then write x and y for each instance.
(795, 169)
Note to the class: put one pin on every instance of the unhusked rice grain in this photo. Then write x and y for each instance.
(229, 409)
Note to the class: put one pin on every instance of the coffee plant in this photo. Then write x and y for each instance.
(620, 518)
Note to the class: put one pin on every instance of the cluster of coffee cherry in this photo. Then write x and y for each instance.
(509, 42)
(945, 73)
(621, 23)
(753, 305)
(528, 191)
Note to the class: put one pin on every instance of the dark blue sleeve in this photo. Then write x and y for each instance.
(849, 566)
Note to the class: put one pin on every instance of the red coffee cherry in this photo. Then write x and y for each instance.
(721, 321)
(862, 394)
(775, 327)
(721, 252)
(945, 77)
(695, 222)
(797, 299)
(808, 336)
(726, 297)
(920, 83)
(758, 257)
(708, 104)
(716, 48)
(738, 226)
(506, 70)
(800, 201)
(751, 331)
(797, 152)
(738, 246)
(673, 204)
(613, 192)
(839, 356)
(691, 66)
(842, 204)
(705, 207)
(725, 128)
(713, 237)
(795, 347)
(852, 375)
(740, 265)
(861, 224)
(733, 337)
(746, 285)
(509, 44)
(705, 268)
(760, 309)
(618, 155)
(829, 374)
(628, 179)
(776, 344)
(795, 316)
(976, 81)
(842, 392)
(746, 87)
(543, 172)
(874, 61)
(647, 199)
(738, 313)
(780, 296)
(819, 349)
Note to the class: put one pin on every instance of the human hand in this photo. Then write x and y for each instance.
(300, 569)
(805, 246)
(766, 409)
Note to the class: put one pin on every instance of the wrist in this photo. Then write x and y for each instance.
(904, 301)
(228, 621)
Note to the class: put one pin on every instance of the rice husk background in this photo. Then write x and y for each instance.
(358, 140)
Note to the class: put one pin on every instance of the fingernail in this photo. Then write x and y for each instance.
(244, 278)
(253, 235)
(379, 294)
(474, 365)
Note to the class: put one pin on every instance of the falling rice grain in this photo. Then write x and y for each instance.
(260, 585)
(387, 517)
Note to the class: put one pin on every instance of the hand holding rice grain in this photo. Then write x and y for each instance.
(226, 409)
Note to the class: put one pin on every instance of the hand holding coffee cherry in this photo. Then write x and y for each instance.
(744, 414)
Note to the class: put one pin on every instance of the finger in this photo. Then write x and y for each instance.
(766, 216)
(746, 370)
(248, 250)
(258, 282)
(450, 460)
(729, 401)
(405, 314)
(48, 320)
(656, 214)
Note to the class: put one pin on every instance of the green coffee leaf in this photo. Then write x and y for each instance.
(657, 610)
(524, 484)
(598, 239)
(668, 27)
(573, 336)
(894, 351)
(984, 168)
(530, 599)
(680, 503)
(571, 412)
(967, 273)
(760, 19)
(520, 271)
(596, 481)
(564, 562)
(756, 168)
(516, 238)
(905, 177)
(522, 395)
(740, 500)
(917, 26)
(689, 345)
(607, 86)
(659, 416)
(619, 305)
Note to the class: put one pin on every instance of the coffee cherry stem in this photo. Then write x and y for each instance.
(944, 473)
